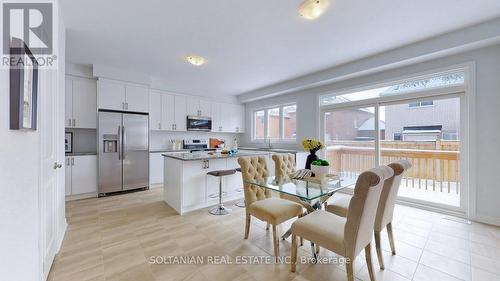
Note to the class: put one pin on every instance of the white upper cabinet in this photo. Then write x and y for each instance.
(167, 112)
(205, 108)
(117, 95)
(111, 95)
(227, 118)
(180, 113)
(155, 116)
(136, 98)
(81, 103)
(198, 107)
(68, 103)
(217, 125)
(239, 115)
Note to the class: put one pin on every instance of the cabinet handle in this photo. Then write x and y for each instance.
(72, 161)
(175, 127)
(74, 122)
(159, 126)
(67, 161)
(208, 164)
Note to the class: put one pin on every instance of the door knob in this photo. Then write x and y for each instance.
(57, 166)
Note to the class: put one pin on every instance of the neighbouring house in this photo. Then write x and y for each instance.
(423, 121)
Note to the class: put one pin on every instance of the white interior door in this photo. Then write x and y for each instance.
(52, 163)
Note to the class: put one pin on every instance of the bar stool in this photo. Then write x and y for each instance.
(240, 203)
(220, 209)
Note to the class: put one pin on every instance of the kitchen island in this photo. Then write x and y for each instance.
(186, 185)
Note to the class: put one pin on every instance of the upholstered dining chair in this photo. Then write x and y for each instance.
(385, 209)
(284, 168)
(258, 201)
(346, 236)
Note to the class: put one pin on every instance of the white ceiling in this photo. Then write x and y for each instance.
(250, 44)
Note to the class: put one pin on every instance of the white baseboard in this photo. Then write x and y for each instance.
(81, 196)
(487, 220)
(61, 235)
(155, 185)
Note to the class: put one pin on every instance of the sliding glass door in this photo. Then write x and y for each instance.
(427, 134)
(368, 128)
(350, 140)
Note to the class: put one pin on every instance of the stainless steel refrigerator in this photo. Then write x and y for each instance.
(123, 151)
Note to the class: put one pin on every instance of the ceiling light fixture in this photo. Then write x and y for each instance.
(313, 9)
(196, 60)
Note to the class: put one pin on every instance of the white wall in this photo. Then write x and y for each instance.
(19, 171)
(487, 62)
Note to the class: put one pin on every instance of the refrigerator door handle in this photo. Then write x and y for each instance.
(124, 143)
(119, 145)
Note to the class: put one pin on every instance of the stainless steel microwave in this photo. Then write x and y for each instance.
(199, 123)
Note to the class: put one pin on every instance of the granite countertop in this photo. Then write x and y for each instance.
(80, 153)
(207, 156)
(278, 150)
(168, 150)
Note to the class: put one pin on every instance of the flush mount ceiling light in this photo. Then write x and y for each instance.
(196, 60)
(313, 9)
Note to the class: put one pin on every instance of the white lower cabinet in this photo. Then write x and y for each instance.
(200, 190)
(212, 183)
(81, 174)
(233, 183)
(155, 168)
(193, 192)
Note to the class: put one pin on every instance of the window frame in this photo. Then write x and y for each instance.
(281, 138)
(419, 104)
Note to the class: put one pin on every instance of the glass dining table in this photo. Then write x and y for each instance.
(311, 192)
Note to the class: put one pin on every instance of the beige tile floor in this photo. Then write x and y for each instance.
(114, 238)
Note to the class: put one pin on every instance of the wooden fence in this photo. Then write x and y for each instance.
(432, 169)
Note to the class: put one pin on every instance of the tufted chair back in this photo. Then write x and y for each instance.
(389, 194)
(362, 210)
(284, 165)
(254, 168)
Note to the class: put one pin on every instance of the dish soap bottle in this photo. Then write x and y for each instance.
(235, 144)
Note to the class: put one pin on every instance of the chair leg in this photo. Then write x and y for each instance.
(379, 250)
(391, 238)
(276, 242)
(247, 225)
(368, 255)
(267, 226)
(301, 239)
(350, 270)
(293, 263)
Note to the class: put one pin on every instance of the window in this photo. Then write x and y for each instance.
(289, 122)
(273, 123)
(434, 82)
(421, 103)
(278, 123)
(259, 125)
